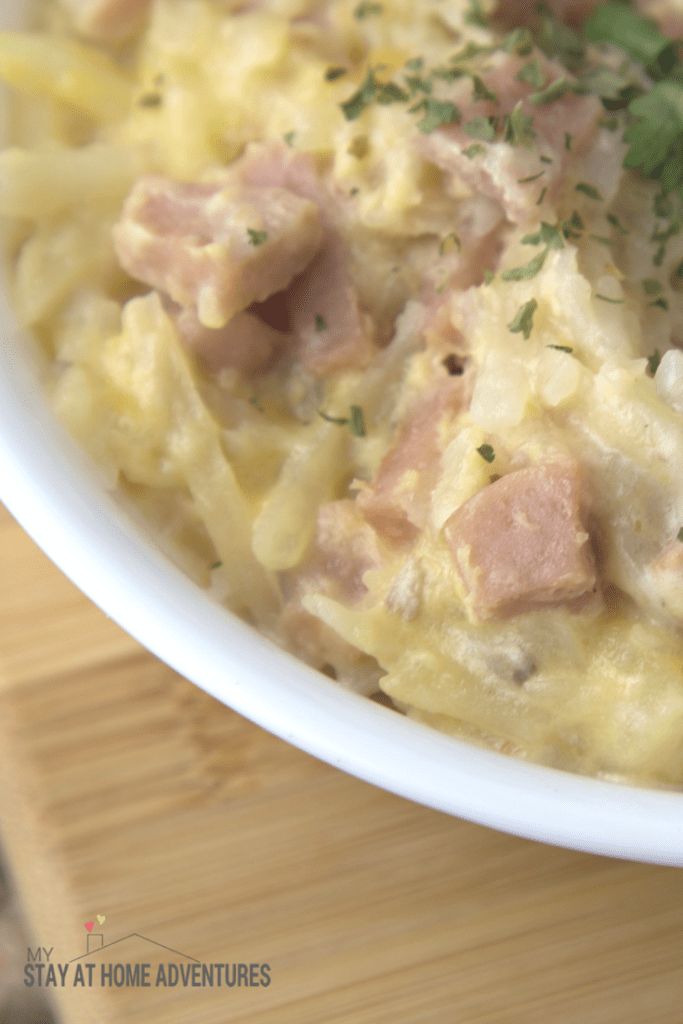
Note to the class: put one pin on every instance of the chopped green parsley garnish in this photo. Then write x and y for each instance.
(543, 193)
(365, 9)
(487, 453)
(532, 177)
(568, 140)
(555, 91)
(529, 269)
(547, 234)
(415, 63)
(481, 128)
(357, 421)
(573, 226)
(651, 286)
(447, 74)
(389, 92)
(475, 14)
(659, 304)
(416, 84)
(289, 138)
(216, 565)
(523, 322)
(332, 74)
(532, 74)
(320, 323)
(606, 298)
(257, 238)
(481, 91)
(519, 127)
(562, 348)
(356, 104)
(653, 362)
(470, 51)
(519, 41)
(372, 90)
(437, 113)
(680, 535)
(339, 421)
(559, 41)
(615, 222)
(476, 149)
(588, 190)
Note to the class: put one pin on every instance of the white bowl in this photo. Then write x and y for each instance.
(56, 494)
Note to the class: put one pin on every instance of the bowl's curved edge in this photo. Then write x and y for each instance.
(52, 489)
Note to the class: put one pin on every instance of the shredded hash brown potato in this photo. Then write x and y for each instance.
(375, 310)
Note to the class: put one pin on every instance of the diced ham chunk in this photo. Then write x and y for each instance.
(521, 544)
(106, 19)
(246, 343)
(215, 246)
(332, 331)
(397, 501)
(666, 573)
(502, 170)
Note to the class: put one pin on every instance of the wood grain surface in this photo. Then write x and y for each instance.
(126, 792)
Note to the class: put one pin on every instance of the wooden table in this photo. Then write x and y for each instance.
(126, 792)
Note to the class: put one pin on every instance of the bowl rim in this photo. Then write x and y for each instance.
(57, 494)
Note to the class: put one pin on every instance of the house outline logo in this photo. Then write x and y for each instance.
(92, 952)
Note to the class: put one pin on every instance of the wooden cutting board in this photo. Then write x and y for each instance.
(126, 792)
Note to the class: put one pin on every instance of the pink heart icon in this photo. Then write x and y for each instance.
(89, 925)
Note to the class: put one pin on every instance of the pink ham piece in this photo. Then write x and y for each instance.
(245, 344)
(333, 333)
(397, 501)
(215, 246)
(502, 170)
(521, 544)
(106, 20)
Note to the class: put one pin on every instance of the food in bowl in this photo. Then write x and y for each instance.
(375, 311)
